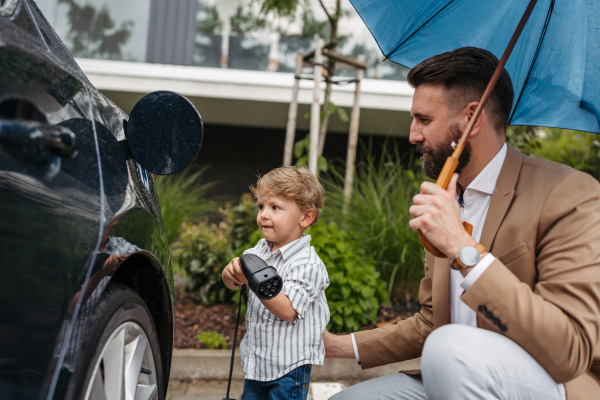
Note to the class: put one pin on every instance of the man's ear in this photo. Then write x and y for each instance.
(470, 111)
(308, 217)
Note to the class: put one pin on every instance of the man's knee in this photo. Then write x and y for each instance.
(397, 386)
(446, 351)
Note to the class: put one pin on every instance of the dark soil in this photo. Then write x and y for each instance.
(192, 319)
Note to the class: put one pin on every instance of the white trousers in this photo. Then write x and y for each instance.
(463, 362)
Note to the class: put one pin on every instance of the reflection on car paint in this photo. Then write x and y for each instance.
(50, 224)
(112, 252)
(143, 175)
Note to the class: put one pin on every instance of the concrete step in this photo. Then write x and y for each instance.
(191, 364)
(216, 390)
(324, 390)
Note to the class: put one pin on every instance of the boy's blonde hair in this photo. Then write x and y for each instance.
(292, 183)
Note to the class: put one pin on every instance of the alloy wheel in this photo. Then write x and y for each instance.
(125, 369)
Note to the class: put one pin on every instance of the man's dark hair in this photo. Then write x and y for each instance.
(465, 73)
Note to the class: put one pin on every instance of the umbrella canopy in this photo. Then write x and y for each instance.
(554, 67)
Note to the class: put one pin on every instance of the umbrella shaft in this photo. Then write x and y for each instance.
(446, 174)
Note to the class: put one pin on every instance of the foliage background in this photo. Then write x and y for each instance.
(182, 197)
(377, 216)
(204, 249)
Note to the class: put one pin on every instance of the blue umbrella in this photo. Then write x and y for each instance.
(552, 63)
(554, 67)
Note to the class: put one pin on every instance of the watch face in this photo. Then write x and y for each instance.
(469, 255)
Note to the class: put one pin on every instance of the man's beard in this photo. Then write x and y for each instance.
(434, 161)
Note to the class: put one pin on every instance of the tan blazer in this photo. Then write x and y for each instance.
(543, 226)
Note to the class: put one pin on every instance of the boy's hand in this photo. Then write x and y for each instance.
(233, 273)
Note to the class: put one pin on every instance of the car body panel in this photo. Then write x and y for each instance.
(58, 214)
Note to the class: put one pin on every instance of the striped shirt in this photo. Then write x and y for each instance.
(273, 347)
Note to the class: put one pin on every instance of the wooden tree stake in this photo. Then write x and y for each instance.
(353, 135)
(316, 108)
(290, 132)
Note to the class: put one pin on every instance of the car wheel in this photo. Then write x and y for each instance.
(123, 355)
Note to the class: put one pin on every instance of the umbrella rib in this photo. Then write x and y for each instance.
(417, 30)
(537, 51)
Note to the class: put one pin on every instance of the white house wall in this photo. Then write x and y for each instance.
(251, 98)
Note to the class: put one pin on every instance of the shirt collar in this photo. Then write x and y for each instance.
(291, 248)
(486, 180)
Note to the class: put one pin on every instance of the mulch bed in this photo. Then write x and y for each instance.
(192, 319)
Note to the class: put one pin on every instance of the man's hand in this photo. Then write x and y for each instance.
(337, 346)
(437, 215)
(233, 277)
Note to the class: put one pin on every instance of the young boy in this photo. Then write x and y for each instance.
(283, 334)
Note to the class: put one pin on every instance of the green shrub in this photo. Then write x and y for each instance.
(580, 150)
(212, 340)
(241, 218)
(355, 291)
(182, 196)
(301, 150)
(204, 249)
(377, 215)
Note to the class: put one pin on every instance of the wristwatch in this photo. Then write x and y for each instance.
(468, 256)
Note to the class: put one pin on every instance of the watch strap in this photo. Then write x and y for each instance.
(457, 264)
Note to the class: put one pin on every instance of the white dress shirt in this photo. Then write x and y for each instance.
(476, 202)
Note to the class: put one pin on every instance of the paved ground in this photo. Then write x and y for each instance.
(212, 389)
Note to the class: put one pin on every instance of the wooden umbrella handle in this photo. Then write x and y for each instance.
(452, 161)
(442, 181)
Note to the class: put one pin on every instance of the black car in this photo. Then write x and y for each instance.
(86, 287)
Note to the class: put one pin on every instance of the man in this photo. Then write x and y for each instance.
(520, 316)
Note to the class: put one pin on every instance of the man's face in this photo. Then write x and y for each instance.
(433, 130)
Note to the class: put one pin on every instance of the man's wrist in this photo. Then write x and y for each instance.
(465, 271)
(455, 248)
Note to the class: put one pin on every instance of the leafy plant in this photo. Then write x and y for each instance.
(93, 32)
(580, 150)
(301, 152)
(212, 340)
(524, 138)
(355, 291)
(211, 21)
(244, 22)
(204, 249)
(377, 215)
(241, 219)
(182, 196)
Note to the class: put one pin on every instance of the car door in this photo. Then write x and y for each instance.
(51, 205)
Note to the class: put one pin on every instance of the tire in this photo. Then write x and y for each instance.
(120, 354)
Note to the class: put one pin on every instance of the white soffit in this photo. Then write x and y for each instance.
(222, 83)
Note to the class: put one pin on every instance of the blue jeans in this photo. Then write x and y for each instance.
(293, 385)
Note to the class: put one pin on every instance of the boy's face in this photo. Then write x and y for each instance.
(281, 220)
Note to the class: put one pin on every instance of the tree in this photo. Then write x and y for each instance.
(288, 8)
(90, 29)
(211, 23)
(242, 22)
